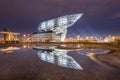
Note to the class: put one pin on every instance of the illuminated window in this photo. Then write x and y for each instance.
(50, 23)
(43, 25)
(62, 21)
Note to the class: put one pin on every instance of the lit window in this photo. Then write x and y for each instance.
(43, 25)
(50, 23)
(62, 21)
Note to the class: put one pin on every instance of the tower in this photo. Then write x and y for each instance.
(6, 36)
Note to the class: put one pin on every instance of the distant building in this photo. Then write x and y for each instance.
(116, 39)
(1, 40)
(10, 36)
(113, 38)
(6, 36)
(54, 30)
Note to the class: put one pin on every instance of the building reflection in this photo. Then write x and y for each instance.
(58, 57)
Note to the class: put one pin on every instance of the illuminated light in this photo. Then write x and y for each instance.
(91, 56)
(24, 35)
(59, 25)
(78, 37)
(106, 39)
(113, 38)
(63, 45)
(9, 36)
(81, 38)
(28, 46)
(86, 37)
(24, 46)
(78, 45)
(62, 21)
(10, 49)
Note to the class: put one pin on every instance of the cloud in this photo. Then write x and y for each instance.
(31, 12)
(115, 16)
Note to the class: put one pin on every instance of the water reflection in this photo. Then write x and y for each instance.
(93, 51)
(25, 64)
(58, 57)
(9, 49)
(25, 46)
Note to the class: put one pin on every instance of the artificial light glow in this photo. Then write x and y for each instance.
(24, 35)
(59, 25)
(10, 48)
(24, 46)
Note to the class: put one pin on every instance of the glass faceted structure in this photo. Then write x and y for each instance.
(58, 57)
(59, 25)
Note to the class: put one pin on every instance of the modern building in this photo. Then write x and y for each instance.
(54, 30)
(47, 36)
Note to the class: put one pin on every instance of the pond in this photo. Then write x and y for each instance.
(51, 63)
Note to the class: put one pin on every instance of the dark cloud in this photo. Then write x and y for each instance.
(115, 16)
(25, 15)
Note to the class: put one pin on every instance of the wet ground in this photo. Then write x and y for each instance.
(26, 63)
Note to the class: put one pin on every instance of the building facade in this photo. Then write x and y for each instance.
(10, 36)
(45, 37)
(54, 30)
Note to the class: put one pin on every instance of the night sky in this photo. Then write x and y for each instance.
(101, 17)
